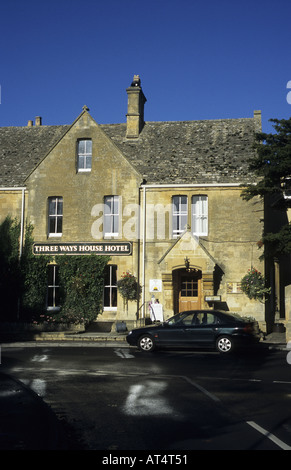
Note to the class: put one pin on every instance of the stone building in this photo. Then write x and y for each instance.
(162, 198)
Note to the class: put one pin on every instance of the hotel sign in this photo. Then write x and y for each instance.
(116, 249)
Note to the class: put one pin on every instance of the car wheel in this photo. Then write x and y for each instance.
(146, 343)
(224, 344)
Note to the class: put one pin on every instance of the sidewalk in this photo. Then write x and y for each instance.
(104, 339)
(97, 339)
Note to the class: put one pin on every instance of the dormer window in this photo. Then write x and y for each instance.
(84, 157)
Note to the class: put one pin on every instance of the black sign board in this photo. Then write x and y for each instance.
(114, 249)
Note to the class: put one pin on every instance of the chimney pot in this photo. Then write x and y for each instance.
(38, 121)
(30, 123)
(135, 109)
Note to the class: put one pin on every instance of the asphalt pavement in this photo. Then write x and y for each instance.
(27, 422)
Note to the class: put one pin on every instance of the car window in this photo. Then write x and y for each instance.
(189, 319)
(194, 319)
(205, 318)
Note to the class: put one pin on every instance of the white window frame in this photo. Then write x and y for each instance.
(110, 286)
(180, 215)
(54, 286)
(55, 216)
(86, 155)
(199, 208)
(111, 216)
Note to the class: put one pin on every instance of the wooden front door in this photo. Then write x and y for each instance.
(189, 291)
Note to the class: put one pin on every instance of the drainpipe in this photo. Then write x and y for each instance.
(143, 251)
(22, 223)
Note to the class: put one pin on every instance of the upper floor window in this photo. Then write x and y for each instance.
(111, 216)
(200, 215)
(180, 215)
(84, 162)
(55, 216)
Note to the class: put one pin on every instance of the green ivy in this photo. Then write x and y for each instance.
(23, 282)
(81, 287)
(34, 273)
(10, 273)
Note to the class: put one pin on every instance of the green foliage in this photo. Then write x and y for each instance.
(34, 273)
(23, 282)
(253, 285)
(279, 243)
(272, 162)
(128, 288)
(272, 165)
(10, 275)
(81, 287)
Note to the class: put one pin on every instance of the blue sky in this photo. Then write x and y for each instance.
(197, 59)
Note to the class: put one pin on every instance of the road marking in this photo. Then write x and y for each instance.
(148, 399)
(202, 389)
(281, 382)
(39, 358)
(124, 353)
(270, 436)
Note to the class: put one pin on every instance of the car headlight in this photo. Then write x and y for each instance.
(129, 333)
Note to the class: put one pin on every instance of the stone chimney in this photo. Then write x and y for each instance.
(258, 120)
(38, 121)
(135, 109)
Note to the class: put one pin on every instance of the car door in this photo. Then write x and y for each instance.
(174, 332)
(201, 332)
(172, 335)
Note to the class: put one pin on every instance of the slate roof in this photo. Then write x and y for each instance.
(214, 151)
(21, 148)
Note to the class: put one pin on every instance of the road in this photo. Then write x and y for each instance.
(118, 398)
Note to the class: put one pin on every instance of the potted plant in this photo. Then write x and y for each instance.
(128, 288)
(253, 285)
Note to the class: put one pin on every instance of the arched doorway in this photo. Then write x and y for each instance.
(187, 289)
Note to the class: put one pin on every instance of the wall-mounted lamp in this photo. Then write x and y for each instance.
(187, 265)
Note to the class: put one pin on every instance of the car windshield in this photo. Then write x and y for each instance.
(177, 318)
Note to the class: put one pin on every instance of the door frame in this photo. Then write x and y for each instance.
(177, 276)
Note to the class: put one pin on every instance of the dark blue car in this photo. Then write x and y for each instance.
(197, 329)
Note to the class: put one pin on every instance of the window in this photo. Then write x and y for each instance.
(55, 216)
(189, 287)
(53, 287)
(110, 288)
(84, 155)
(200, 215)
(180, 215)
(111, 216)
